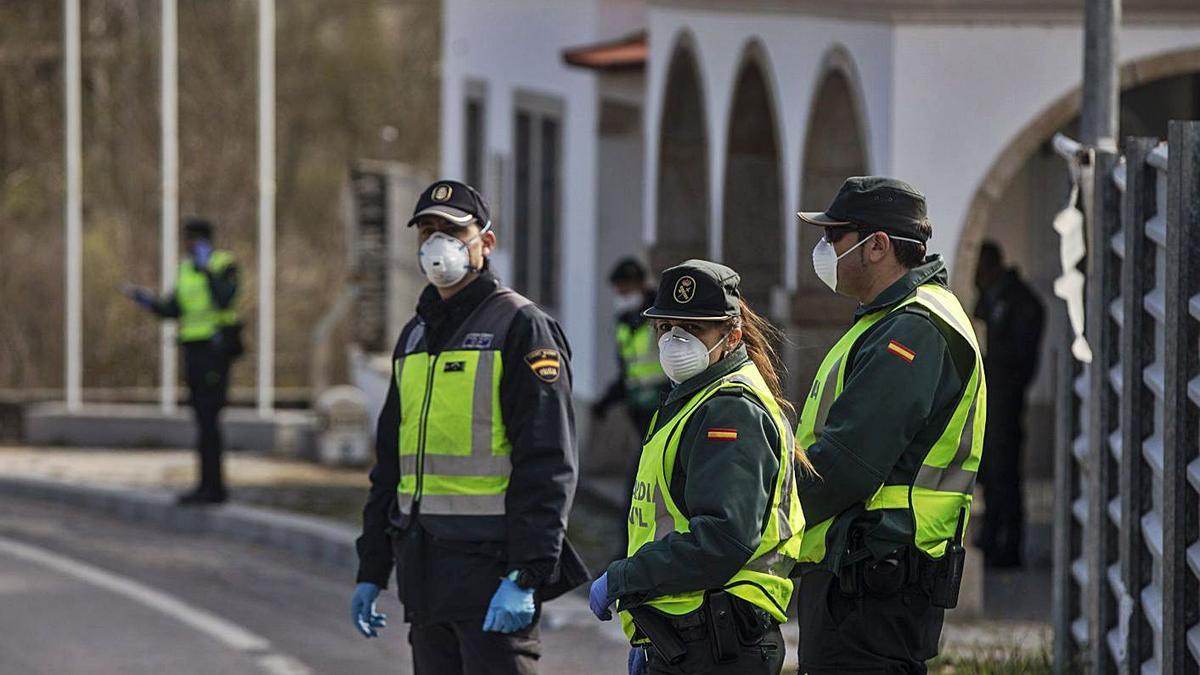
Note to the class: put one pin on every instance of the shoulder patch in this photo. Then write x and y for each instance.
(545, 364)
(901, 351)
(722, 434)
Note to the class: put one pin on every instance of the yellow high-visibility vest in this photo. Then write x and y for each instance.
(943, 486)
(763, 581)
(199, 316)
(455, 456)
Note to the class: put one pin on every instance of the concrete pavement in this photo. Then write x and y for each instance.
(137, 485)
(87, 593)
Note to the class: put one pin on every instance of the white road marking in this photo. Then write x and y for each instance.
(230, 634)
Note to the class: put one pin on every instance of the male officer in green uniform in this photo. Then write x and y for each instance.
(894, 427)
(475, 468)
(205, 304)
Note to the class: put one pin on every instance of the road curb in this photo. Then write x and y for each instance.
(312, 538)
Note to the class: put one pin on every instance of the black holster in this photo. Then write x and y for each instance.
(658, 629)
(722, 627)
(947, 576)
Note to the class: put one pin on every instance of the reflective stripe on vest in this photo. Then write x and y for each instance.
(453, 445)
(944, 484)
(639, 356)
(199, 316)
(763, 581)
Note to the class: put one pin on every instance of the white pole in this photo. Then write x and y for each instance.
(74, 215)
(266, 206)
(170, 197)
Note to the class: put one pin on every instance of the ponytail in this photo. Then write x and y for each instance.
(760, 337)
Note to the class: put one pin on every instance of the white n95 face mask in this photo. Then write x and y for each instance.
(627, 302)
(682, 355)
(825, 258)
(444, 259)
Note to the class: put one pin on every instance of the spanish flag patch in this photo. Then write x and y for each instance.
(716, 434)
(901, 351)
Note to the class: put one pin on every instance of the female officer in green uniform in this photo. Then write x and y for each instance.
(715, 525)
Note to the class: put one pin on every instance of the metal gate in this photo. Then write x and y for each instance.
(1127, 514)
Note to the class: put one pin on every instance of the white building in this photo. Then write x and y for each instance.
(698, 127)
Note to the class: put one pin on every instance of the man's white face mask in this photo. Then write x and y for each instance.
(825, 258)
(445, 260)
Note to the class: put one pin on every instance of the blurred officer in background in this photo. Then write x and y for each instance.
(204, 302)
(475, 459)
(894, 426)
(641, 383)
(1014, 316)
(715, 525)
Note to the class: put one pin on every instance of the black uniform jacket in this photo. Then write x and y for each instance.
(450, 573)
(724, 487)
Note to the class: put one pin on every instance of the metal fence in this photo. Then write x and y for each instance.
(1127, 515)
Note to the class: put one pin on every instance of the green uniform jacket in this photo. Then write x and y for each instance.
(723, 487)
(888, 416)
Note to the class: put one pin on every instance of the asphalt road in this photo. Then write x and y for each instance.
(86, 593)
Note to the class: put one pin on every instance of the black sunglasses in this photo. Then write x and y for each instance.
(834, 234)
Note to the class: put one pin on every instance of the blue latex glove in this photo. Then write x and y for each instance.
(362, 610)
(598, 598)
(201, 252)
(637, 661)
(511, 608)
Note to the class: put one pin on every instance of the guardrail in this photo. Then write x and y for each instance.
(1127, 518)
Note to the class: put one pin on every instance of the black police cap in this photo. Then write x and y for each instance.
(698, 290)
(457, 202)
(198, 228)
(874, 201)
(628, 269)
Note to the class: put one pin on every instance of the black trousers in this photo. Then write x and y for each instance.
(464, 648)
(867, 632)
(1002, 535)
(764, 658)
(206, 368)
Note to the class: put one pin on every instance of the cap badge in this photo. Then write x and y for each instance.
(685, 290)
(442, 192)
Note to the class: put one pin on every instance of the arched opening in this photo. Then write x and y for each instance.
(835, 148)
(682, 191)
(752, 233)
(1014, 207)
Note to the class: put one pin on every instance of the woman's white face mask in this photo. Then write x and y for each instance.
(682, 355)
(445, 260)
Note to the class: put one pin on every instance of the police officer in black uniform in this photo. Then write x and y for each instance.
(1014, 316)
(475, 459)
(204, 302)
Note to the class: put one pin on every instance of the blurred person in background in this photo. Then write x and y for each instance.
(475, 459)
(1014, 317)
(641, 383)
(204, 302)
(715, 525)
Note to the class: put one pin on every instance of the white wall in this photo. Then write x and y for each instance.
(795, 48)
(962, 93)
(517, 45)
(941, 101)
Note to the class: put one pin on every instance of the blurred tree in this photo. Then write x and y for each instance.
(345, 69)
